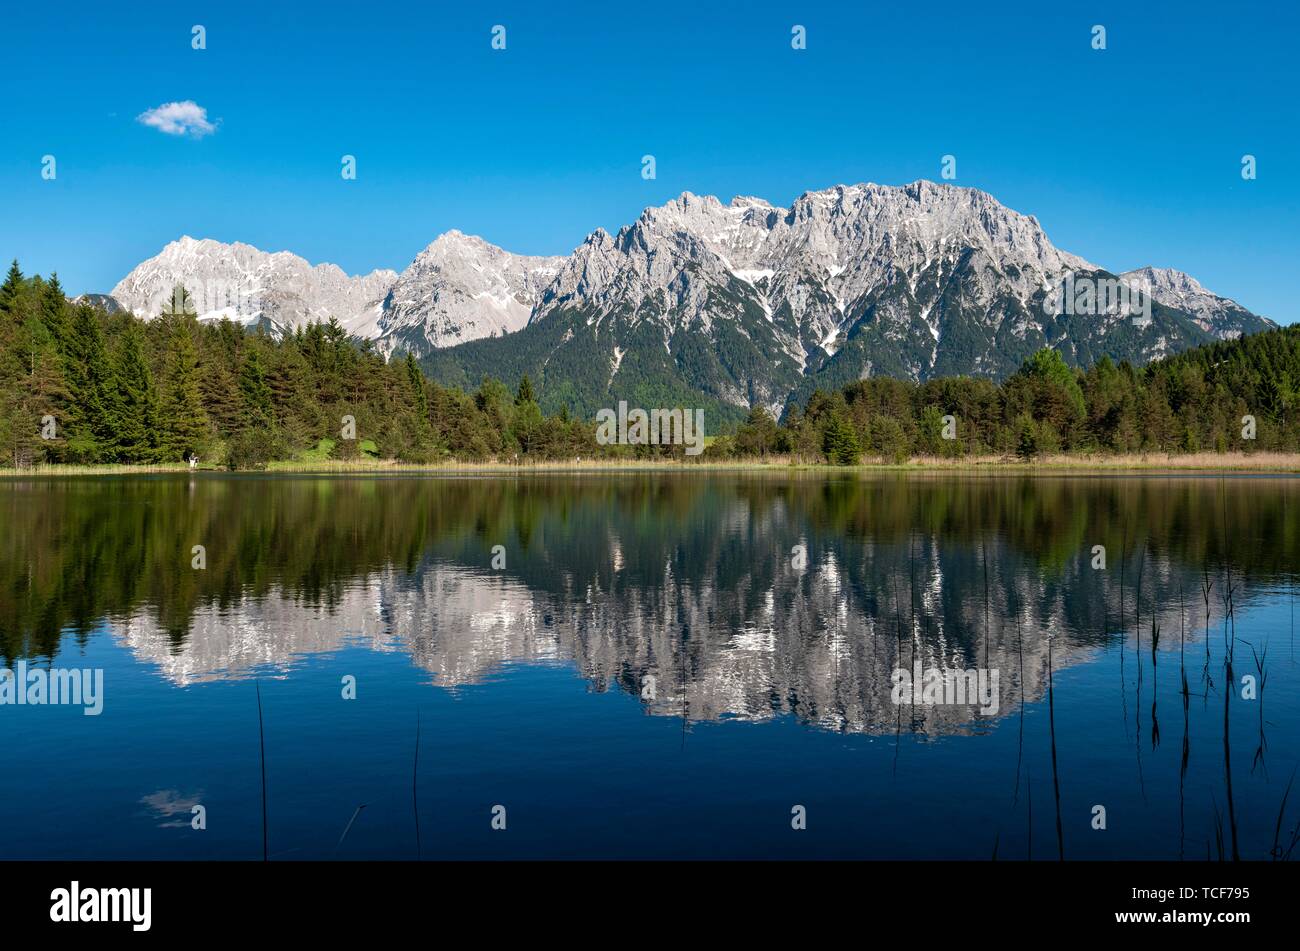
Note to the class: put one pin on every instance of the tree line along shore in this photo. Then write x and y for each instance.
(84, 389)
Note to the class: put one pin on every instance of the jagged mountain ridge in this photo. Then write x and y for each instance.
(741, 304)
(748, 303)
(458, 288)
(247, 285)
(1219, 316)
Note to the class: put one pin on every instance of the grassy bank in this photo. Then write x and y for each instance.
(1146, 462)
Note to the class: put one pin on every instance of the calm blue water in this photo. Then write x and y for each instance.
(771, 682)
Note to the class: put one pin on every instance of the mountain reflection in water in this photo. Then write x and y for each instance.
(691, 582)
(702, 597)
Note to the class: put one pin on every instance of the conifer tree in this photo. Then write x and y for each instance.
(220, 393)
(841, 441)
(11, 288)
(415, 379)
(138, 433)
(92, 384)
(54, 310)
(32, 393)
(258, 410)
(184, 423)
(293, 401)
(525, 393)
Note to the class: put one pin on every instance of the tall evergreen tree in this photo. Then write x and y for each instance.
(139, 435)
(415, 379)
(220, 392)
(841, 441)
(32, 393)
(11, 288)
(525, 393)
(259, 411)
(92, 383)
(54, 310)
(184, 423)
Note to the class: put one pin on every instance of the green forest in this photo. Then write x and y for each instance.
(79, 385)
(1236, 395)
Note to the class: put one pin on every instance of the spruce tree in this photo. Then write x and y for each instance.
(416, 381)
(31, 393)
(258, 409)
(184, 423)
(220, 394)
(54, 310)
(525, 394)
(293, 398)
(92, 383)
(841, 441)
(138, 432)
(11, 288)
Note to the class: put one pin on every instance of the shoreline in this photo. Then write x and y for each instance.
(1150, 463)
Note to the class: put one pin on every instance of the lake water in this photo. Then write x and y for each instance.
(656, 666)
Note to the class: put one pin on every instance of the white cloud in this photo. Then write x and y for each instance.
(179, 118)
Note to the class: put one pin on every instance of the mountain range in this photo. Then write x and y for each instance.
(726, 305)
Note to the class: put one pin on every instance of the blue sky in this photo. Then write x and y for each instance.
(1128, 156)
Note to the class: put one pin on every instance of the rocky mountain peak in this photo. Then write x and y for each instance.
(1220, 316)
(457, 289)
(748, 301)
(248, 285)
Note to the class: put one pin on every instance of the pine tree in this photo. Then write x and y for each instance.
(92, 383)
(758, 435)
(54, 310)
(258, 407)
(292, 398)
(138, 430)
(32, 394)
(841, 441)
(525, 394)
(415, 379)
(220, 393)
(184, 423)
(11, 288)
